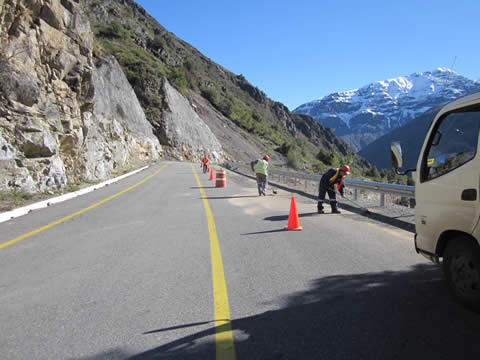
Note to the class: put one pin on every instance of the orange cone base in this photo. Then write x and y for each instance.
(296, 229)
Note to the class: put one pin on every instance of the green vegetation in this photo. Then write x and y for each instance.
(71, 187)
(113, 30)
(137, 63)
(293, 160)
(14, 199)
(147, 52)
(16, 196)
(177, 77)
(244, 117)
(116, 39)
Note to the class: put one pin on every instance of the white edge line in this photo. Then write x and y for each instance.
(42, 204)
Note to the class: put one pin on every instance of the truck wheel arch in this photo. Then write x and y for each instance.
(449, 235)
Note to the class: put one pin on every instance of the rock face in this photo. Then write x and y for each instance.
(66, 116)
(184, 131)
(362, 115)
(245, 122)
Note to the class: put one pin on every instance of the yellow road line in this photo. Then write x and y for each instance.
(223, 329)
(8, 243)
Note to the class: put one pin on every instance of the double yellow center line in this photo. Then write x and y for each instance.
(225, 347)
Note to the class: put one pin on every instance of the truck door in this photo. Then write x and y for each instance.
(447, 189)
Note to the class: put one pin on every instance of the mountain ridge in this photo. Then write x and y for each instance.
(360, 116)
(266, 122)
(93, 88)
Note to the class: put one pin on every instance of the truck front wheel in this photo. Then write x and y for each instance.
(461, 265)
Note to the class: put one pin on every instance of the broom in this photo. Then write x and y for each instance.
(364, 210)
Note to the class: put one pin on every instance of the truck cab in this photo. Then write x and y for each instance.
(447, 185)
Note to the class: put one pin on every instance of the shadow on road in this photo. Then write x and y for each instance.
(397, 222)
(285, 217)
(264, 232)
(180, 327)
(383, 315)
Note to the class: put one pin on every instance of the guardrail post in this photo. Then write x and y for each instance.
(357, 185)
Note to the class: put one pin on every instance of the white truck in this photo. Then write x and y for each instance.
(447, 185)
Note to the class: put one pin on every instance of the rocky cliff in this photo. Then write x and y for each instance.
(244, 120)
(92, 88)
(67, 115)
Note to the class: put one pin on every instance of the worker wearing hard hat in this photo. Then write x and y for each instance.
(260, 167)
(205, 163)
(332, 177)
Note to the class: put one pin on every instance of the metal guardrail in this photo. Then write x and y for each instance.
(382, 188)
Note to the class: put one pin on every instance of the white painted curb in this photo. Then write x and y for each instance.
(42, 204)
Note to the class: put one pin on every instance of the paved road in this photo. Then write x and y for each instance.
(139, 276)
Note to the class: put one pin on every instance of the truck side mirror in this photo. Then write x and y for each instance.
(396, 155)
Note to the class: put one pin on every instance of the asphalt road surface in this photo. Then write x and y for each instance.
(164, 265)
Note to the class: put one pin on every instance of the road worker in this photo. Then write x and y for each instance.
(332, 177)
(260, 167)
(205, 163)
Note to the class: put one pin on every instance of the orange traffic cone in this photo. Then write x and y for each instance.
(293, 222)
(211, 175)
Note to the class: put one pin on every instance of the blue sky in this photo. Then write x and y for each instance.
(298, 51)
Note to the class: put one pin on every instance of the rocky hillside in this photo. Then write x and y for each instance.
(91, 88)
(362, 115)
(244, 120)
(63, 117)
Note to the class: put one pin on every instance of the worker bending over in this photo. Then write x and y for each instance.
(328, 181)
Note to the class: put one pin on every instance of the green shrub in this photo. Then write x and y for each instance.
(210, 95)
(190, 65)
(136, 62)
(331, 158)
(159, 42)
(226, 107)
(155, 101)
(113, 30)
(373, 173)
(177, 77)
(324, 156)
(293, 159)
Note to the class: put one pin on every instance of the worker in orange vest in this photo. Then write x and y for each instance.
(327, 185)
(205, 163)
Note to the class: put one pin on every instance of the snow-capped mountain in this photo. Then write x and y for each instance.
(362, 115)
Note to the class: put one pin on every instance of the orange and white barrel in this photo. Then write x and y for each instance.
(221, 179)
